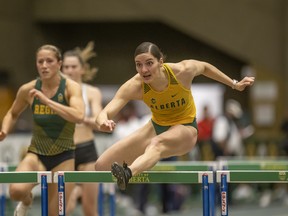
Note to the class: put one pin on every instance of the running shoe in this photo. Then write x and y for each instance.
(21, 209)
(122, 174)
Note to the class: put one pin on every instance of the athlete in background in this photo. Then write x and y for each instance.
(56, 104)
(76, 66)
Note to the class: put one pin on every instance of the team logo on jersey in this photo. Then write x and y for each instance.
(60, 97)
(169, 105)
(153, 100)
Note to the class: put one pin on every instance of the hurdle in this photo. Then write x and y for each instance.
(253, 165)
(4, 167)
(246, 176)
(169, 166)
(30, 177)
(193, 166)
(148, 177)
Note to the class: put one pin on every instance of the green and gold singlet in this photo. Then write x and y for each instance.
(175, 105)
(52, 134)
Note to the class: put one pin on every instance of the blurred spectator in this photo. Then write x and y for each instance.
(271, 192)
(7, 94)
(172, 196)
(205, 127)
(128, 121)
(284, 142)
(227, 139)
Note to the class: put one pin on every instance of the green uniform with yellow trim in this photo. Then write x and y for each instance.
(175, 105)
(52, 134)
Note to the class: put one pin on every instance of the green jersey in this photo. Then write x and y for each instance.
(51, 133)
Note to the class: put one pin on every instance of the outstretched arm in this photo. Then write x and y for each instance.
(214, 73)
(19, 105)
(192, 68)
(131, 90)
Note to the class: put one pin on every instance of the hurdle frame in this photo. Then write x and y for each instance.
(246, 176)
(147, 177)
(193, 166)
(37, 177)
(251, 165)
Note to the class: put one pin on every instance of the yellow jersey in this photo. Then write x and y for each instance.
(175, 105)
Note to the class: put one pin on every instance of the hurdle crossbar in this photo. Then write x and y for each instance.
(185, 166)
(253, 176)
(24, 177)
(37, 177)
(191, 177)
(203, 177)
(253, 165)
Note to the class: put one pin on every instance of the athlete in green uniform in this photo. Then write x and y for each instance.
(56, 104)
(165, 88)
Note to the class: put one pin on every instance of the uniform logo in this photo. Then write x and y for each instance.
(153, 100)
(60, 97)
(174, 95)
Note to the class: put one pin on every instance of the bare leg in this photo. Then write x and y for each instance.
(22, 191)
(67, 165)
(178, 140)
(90, 195)
(72, 203)
(127, 149)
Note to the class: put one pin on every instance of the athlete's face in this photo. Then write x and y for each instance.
(147, 66)
(47, 64)
(72, 68)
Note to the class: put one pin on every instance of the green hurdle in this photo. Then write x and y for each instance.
(11, 168)
(24, 177)
(37, 177)
(192, 166)
(7, 168)
(254, 165)
(253, 176)
(147, 177)
(191, 177)
(246, 176)
(185, 166)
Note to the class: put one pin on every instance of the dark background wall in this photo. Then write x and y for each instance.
(228, 34)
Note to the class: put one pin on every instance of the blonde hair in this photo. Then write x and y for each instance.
(86, 54)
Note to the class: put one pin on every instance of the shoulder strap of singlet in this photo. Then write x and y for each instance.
(146, 88)
(84, 93)
(173, 80)
(38, 84)
(62, 85)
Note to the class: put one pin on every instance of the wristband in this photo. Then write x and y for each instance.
(234, 83)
